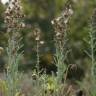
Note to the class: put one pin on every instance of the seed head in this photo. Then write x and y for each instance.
(60, 23)
(14, 15)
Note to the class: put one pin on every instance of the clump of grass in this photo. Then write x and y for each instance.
(13, 21)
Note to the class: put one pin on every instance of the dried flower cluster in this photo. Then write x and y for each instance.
(37, 35)
(14, 15)
(60, 23)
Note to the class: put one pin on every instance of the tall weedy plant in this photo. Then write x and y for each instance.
(92, 43)
(92, 54)
(39, 42)
(13, 21)
(60, 25)
(89, 83)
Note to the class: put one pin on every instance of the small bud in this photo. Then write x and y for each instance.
(71, 11)
(22, 25)
(52, 22)
(37, 38)
(66, 21)
(42, 42)
(57, 19)
(58, 34)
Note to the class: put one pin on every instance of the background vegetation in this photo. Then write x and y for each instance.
(41, 13)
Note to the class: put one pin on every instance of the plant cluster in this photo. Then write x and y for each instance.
(43, 84)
